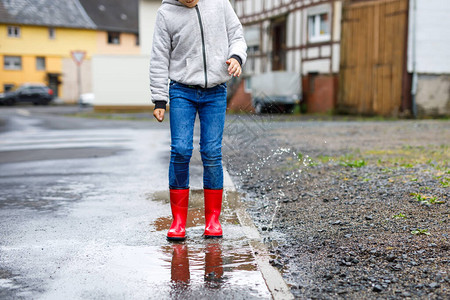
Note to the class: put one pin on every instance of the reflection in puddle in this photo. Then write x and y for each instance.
(206, 269)
(212, 265)
(179, 268)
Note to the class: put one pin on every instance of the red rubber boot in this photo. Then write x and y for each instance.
(213, 206)
(179, 200)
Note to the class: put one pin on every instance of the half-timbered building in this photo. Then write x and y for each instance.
(295, 35)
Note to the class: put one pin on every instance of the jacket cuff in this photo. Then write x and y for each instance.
(160, 104)
(237, 58)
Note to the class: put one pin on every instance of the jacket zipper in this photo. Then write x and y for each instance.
(203, 46)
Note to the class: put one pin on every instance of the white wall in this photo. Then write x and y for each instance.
(124, 79)
(70, 79)
(147, 19)
(433, 97)
(433, 36)
(121, 80)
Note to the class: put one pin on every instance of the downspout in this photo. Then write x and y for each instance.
(414, 60)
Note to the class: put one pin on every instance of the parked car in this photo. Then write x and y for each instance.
(30, 92)
(86, 99)
(276, 91)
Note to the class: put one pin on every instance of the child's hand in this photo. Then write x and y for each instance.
(234, 68)
(159, 114)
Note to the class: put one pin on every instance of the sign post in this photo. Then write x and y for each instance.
(78, 57)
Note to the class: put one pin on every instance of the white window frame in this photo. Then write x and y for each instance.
(317, 36)
(51, 33)
(44, 65)
(14, 31)
(252, 36)
(250, 65)
(9, 62)
(248, 85)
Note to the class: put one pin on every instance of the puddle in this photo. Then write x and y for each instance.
(213, 265)
(196, 210)
(222, 268)
(49, 197)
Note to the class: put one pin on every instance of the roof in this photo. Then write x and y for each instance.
(113, 15)
(108, 15)
(59, 13)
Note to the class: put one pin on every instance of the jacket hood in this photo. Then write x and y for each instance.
(173, 2)
(185, 53)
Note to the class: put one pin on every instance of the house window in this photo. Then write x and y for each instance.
(114, 38)
(319, 28)
(51, 33)
(248, 85)
(252, 35)
(40, 63)
(7, 87)
(252, 52)
(12, 63)
(14, 31)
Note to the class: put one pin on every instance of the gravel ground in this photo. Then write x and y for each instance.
(349, 209)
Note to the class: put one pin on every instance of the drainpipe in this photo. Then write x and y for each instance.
(414, 60)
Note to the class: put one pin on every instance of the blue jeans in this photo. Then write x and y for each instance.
(211, 105)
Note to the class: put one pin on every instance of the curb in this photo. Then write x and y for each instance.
(274, 281)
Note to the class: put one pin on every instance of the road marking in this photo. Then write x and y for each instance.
(23, 112)
(73, 139)
(274, 281)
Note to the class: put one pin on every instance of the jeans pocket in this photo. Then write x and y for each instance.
(223, 85)
(220, 91)
(173, 87)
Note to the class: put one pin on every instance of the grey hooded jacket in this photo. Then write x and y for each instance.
(192, 45)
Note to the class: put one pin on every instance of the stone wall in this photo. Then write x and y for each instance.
(433, 95)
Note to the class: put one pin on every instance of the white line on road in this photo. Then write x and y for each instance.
(23, 112)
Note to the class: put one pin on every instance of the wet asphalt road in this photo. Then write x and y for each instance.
(84, 212)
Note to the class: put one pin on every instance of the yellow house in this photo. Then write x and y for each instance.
(38, 54)
(38, 39)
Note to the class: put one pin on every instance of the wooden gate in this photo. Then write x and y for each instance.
(373, 57)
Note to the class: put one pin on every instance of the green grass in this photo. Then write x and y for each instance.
(399, 216)
(353, 164)
(424, 199)
(420, 232)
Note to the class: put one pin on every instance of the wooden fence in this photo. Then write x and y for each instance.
(373, 57)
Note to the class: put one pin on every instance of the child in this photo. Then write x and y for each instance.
(198, 45)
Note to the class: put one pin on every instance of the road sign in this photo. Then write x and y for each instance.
(78, 56)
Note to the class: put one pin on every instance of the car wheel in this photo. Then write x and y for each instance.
(259, 108)
(288, 108)
(10, 102)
